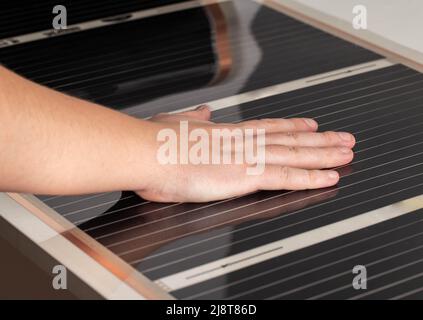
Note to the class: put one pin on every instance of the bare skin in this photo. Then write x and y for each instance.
(51, 143)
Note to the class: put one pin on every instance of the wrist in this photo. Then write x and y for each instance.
(141, 164)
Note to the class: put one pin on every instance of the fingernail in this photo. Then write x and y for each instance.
(202, 107)
(333, 175)
(345, 150)
(311, 123)
(345, 136)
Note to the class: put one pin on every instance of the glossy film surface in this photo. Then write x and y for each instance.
(143, 72)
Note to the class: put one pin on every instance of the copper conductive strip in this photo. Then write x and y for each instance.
(93, 249)
(222, 42)
(319, 24)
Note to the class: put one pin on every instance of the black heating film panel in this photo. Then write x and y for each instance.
(392, 252)
(383, 108)
(172, 61)
(23, 17)
(136, 64)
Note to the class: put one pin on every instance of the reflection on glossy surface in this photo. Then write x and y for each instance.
(183, 58)
(147, 232)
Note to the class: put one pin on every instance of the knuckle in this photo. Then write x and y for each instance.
(329, 136)
(251, 123)
(293, 150)
(265, 123)
(294, 136)
(324, 158)
(268, 120)
(298, 123)
(312, 177)
(330, 155)
(160, 115)
(284, 174)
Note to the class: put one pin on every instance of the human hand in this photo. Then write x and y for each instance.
(295, 158)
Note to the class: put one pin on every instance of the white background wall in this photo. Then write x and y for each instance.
(397, 20)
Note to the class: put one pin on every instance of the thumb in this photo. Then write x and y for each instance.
(201, 113)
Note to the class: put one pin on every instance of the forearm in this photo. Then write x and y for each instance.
(51, 143)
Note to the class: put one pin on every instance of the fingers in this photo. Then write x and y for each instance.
(308, 157)
(311, 139)
(281, 177)
(282, 125)
(202, 113)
